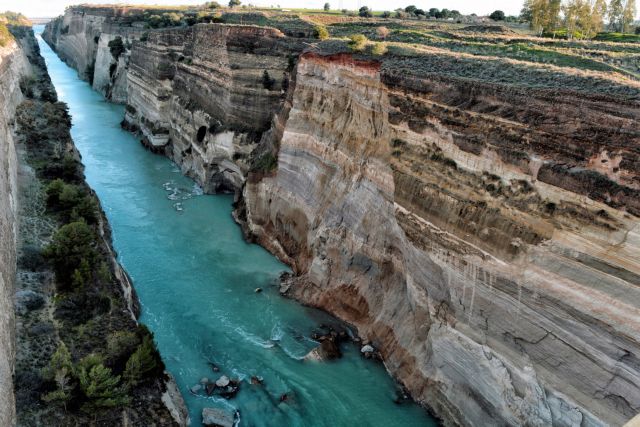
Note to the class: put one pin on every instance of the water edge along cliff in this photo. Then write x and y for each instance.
(475, 218)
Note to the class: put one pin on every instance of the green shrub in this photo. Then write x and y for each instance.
(99, 385)
(53, 192)
(379, 48)
(266, 163)
(321, 32)
(5, 35)
(357, 42)
(116, 47)
(141, 363)
(60, 370)
(72, 245)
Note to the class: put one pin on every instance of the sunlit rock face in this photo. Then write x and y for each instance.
(483, 234)
(14, 65)
(488, 250)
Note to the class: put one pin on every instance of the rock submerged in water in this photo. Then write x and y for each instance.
(214, 417)
(223, 381)
(327, 350)
(367, 349)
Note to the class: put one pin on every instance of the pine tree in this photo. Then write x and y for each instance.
(60, 370)
(141, 362)
(99, 385)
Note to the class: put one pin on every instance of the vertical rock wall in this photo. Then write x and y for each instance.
(13, 66)
(496, 294)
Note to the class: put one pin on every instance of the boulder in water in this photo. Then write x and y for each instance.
(195, 389)
(215, 417)
(327, 350)
(223, 381)
(367, 349)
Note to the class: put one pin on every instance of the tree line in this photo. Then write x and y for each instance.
(580, 18)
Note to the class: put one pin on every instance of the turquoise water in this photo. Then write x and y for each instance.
(195, 277)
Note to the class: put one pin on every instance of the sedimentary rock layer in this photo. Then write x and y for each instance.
(477, 219)
(203, 95)
(478, 234)
(14, 65)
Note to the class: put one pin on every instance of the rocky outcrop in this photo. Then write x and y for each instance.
(485, 248)
(476, 218)
(14, 65)
(203, 95)
(82, 40)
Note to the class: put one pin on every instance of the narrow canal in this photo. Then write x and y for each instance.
(195, 277)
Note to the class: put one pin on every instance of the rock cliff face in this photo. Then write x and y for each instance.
(192, 90)
(481, 232)
(82, 41)
(488, 250)
(189, 91)
(13, 66)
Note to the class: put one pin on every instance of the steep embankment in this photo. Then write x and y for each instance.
(479, 235)
(203, 95)
(14, 65)
(476, 218)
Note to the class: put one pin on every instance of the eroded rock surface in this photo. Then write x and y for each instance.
(14, 65)
(476, 219)
(466, 238)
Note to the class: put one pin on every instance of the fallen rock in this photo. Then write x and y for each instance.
(204, 380)
(214, 417)
(210, 389)
(258, 290)
(367, 349)
(327, 350)
(195, 389)
(223, 381)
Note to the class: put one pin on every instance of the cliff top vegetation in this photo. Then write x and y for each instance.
(9, 20)
(517, 51)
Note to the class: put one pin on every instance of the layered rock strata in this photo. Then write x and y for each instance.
(480, 235)
(203, 95)
(477, 219)
(14, 66)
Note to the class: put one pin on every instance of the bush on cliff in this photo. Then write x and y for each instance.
(321, 32)
(116, 47)
(141, 363)
(72, 249)
(60, 372)
(266, 163)
(379, 49)
(357, 42)
(98, 384)
(71, 202)
(5, 35)
(267, 81)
